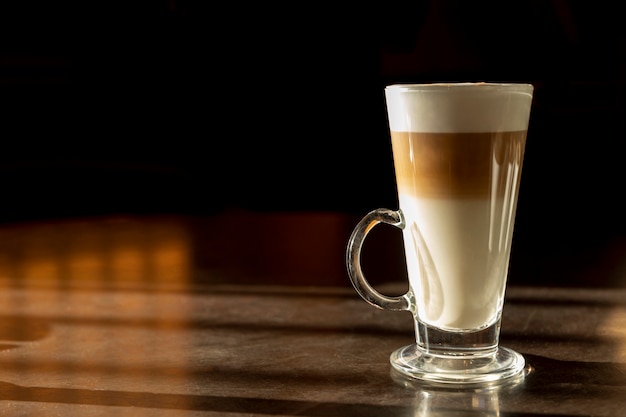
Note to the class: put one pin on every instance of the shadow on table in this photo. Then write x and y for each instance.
(571, 378)
(549, 382)
(150, 401)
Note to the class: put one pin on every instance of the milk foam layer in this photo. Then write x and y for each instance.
(474, 107)
(457, 254)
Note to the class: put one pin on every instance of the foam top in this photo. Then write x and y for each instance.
(460, 107)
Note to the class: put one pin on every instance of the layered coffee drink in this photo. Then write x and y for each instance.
(458, 151)
(458, 179)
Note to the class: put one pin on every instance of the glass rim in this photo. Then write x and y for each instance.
(441, 86)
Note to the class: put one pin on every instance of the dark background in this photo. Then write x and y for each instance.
(195, 107)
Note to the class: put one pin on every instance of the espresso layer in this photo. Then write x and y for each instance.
(457, 165)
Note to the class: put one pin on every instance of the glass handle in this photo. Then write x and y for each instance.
(353, 260)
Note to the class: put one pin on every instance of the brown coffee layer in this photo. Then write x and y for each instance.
(457, 165)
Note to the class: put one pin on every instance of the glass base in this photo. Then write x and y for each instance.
(467, 369)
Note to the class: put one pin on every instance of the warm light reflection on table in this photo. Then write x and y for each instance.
(109, 250)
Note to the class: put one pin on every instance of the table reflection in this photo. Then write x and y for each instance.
(478, 403)
(454, 401)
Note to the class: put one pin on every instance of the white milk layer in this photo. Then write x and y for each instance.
(457, 254)
(474, 107)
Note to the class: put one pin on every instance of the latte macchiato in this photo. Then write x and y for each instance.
(458, 165)
(458, 151)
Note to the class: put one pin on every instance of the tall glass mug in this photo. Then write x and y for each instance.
(458, 152)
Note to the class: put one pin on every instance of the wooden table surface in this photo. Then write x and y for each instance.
(238, 315)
